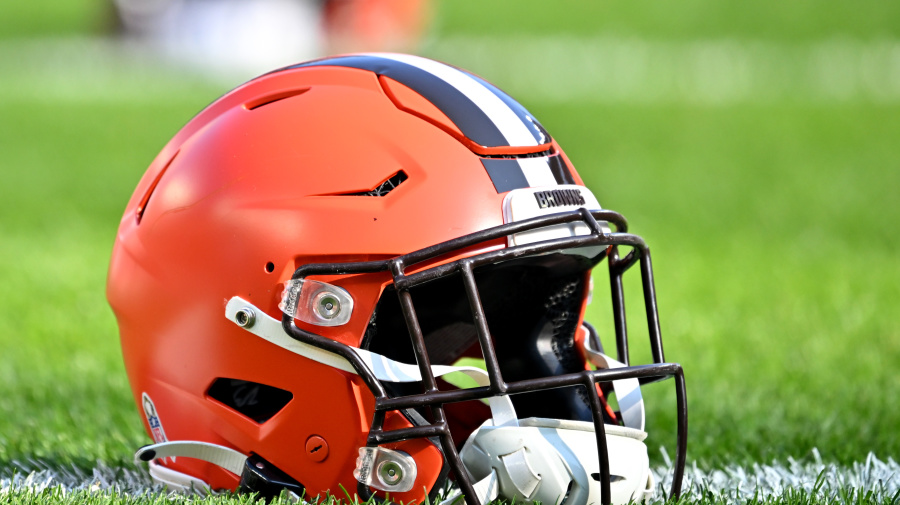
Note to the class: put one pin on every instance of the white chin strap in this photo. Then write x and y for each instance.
(515, 474)
(226, 457)
(628, 391)
(385, 369)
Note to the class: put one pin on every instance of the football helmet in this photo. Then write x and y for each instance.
(306, 274)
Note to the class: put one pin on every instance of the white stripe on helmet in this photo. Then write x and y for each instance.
(506, 120)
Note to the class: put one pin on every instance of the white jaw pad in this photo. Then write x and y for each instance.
(385, 369)
(546, 459)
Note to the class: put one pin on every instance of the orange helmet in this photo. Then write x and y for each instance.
(311, 256)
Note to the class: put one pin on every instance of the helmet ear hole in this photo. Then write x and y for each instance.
(270, 267)
(256, 401)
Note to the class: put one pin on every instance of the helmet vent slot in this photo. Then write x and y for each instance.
(142, 206)
(539, 154)
(385, 187)
(273, 97)
(256, 401)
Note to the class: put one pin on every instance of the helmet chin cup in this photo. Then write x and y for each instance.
(555, 461)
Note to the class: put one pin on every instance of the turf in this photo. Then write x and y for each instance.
(772, 225)
(684, 20)
(787, 497)
(68, 169)
(54, 18)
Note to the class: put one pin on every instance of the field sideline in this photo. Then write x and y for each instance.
(731, 484)
(713, 72)
(762, 169)
(601, 70)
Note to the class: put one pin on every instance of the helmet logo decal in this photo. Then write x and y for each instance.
(527, 203)
(156, 429)
(558, 198)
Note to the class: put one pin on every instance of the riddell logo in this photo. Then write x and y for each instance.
(558, 198)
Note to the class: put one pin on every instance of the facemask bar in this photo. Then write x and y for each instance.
(433, 398)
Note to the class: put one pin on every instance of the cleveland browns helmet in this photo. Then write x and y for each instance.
(370, 273)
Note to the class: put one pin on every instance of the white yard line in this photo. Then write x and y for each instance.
(96, 70)
(733, 483)
(38, 476)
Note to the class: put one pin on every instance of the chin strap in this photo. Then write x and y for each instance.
(628, 391)
(385, 369)
(257, 475)
(227, 458)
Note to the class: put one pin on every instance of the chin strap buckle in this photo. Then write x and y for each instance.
(263, 478)
(257, 475)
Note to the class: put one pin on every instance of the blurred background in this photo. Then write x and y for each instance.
(755, 146)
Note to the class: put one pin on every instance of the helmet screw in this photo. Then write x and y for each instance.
(327, 305)
(390, 472)
(245, 317)
(316, 448)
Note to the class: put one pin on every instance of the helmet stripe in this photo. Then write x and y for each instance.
(536, 128)
(482, 112)
(537, 172)
(560, 170)
(510, 117)
(508, 174)
(505, 173)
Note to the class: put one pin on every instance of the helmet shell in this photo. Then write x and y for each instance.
(268, 178)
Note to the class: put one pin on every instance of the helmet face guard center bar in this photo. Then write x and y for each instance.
(435, 399)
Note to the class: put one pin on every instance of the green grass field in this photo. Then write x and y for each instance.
(772, 220)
